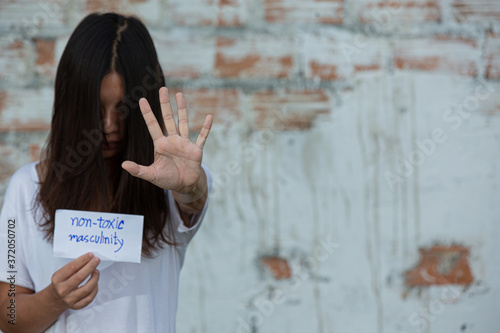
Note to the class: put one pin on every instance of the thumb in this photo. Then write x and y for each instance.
(139, 171)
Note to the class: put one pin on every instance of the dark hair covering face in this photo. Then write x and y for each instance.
(75, 172)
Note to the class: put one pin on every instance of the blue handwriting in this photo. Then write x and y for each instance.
(99, 239)
(101, 223)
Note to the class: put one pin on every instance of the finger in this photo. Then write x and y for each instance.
(205, 130)
(150, 119)
(139, 171)
(166, 111)
(71, 268)
(183, 117)
(84, 302)
(76, 279)
(87, 288)
(89, 297)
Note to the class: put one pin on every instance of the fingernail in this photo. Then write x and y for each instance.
(96, 259)
(91, 255)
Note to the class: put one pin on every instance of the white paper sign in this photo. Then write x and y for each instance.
(110, 236)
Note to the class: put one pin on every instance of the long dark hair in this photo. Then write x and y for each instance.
(75, 175)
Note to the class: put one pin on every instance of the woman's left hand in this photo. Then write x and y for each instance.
(177, 160)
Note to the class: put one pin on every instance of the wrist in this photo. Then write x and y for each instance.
(55, 301)
(195, 192)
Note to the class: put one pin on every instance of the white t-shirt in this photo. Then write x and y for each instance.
(131, 298)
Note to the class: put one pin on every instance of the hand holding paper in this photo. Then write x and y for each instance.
(67, 286)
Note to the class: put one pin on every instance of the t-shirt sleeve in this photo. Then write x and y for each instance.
(182, 232)
(12, 233)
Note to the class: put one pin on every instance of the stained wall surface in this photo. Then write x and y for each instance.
(355, 154)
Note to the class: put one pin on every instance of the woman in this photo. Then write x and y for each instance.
(106, 152)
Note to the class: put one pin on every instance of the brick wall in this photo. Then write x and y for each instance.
(370, 122)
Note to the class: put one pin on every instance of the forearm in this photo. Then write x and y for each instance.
(33, 312)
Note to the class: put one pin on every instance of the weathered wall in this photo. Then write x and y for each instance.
(355, 154)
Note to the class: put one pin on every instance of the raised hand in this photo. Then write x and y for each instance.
(177, 160)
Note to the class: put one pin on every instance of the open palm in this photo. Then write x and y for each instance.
(177, 161)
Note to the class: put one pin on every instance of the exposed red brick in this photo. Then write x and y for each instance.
(383, 11)
(441, 54)
(493, 56)
(472, 42)
(222, 21)
(441, 265)
(257, 56)
(3, 101)
(34, 151)
(288, 110)
(227, 67)
(206, 22)
(104, 5)
(203, 12)
(225, 42)
(278, 267)
(363, 68)
(286, 61)
(338, 57)
(230, 13)
(429, 63)
(45, 51)
(228, 3)
(300, 11)
(222, 104)
(326, 72)
(15, 45)
(33, 126)
(476, 10)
